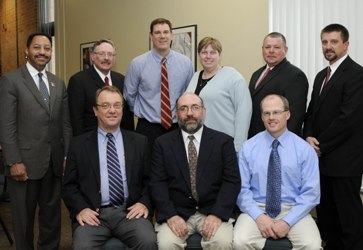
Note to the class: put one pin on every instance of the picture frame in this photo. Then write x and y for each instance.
(85, 55)
(185, 42)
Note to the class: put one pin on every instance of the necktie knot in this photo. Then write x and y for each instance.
(275, 144)
(191, 137)
(109, 136)
(107, 83)
(163, 61)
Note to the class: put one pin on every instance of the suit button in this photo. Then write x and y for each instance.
(196, 208)
(189, 197)
(97, 209)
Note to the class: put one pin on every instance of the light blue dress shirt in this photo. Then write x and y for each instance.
(299, 174)
(142, 88)
(102, 150)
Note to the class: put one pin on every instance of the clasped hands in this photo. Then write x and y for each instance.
(272, 228)
(88, 216)
(180, 228)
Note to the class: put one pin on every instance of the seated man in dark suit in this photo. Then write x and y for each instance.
(83, 85)
(105, 186)
(194, 181)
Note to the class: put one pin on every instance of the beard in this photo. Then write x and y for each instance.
(190, 128)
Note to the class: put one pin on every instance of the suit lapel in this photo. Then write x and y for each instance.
(129, 153)
(52, 90)
(275, 71)
(332, 81)
(179, 152)
(31, 85)
(97, 80)
(93, 155)
(205, 149)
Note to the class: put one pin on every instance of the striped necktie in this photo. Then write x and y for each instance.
(166, 118)
(114, 173)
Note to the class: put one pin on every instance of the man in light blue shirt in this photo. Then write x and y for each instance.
(300, 187)
(142, 89)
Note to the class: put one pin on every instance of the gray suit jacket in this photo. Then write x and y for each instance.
(30, 132)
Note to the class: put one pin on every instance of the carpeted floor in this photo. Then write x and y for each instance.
(66, 237)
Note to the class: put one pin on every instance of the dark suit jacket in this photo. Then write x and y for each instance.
(218, 178)
(82, 89)
(81, 182)
(29, 131)
(284, 79)
(335, 118)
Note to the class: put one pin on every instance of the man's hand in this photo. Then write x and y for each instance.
(178, 226)
(210, 226)
(18, 172)
(88, 216)
(315, 144)
(281, 228)
(137, 211)
(265, 225)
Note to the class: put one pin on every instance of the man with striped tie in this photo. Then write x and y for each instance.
(105, 183)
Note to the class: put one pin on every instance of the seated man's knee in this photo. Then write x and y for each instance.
(240, 242)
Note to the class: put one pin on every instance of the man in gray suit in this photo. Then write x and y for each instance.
(34, 133)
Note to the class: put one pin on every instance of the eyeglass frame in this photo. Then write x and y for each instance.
(194, 108)
(107, 106)
(104, 53)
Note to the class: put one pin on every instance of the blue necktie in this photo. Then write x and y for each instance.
(114, 173)
(273, 192)
(43, 89)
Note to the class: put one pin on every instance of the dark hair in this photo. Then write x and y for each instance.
(112, 89)
(285, 102)
(99, 42)
(276, 35)
(335, 27)
(159, 21)
(31, 37)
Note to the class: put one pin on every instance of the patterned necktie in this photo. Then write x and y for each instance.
(328, 70)
(107, 83)
(193, 158)
(43, 90)
(263, 77)
(273, 192)
(114, 173)
(166, 118)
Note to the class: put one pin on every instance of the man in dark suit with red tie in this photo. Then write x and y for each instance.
(278, 77)
(83, 85)
(334, 127)
(105, 186)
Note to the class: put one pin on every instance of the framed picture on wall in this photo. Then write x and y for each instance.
(85, 55)
(185, 42)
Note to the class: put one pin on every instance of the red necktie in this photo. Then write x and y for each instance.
(263, 77)
(328, 70)
(107, 83)
(166, 118)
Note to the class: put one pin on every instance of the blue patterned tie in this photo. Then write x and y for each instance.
(273, 192)
(114, 173)
(43, 90)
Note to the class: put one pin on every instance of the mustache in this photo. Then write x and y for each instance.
(329, 50)
(41, 56)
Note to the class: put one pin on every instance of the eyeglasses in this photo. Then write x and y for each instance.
(107, 106)
(194, 108)
(103, 53)
(273, 113)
